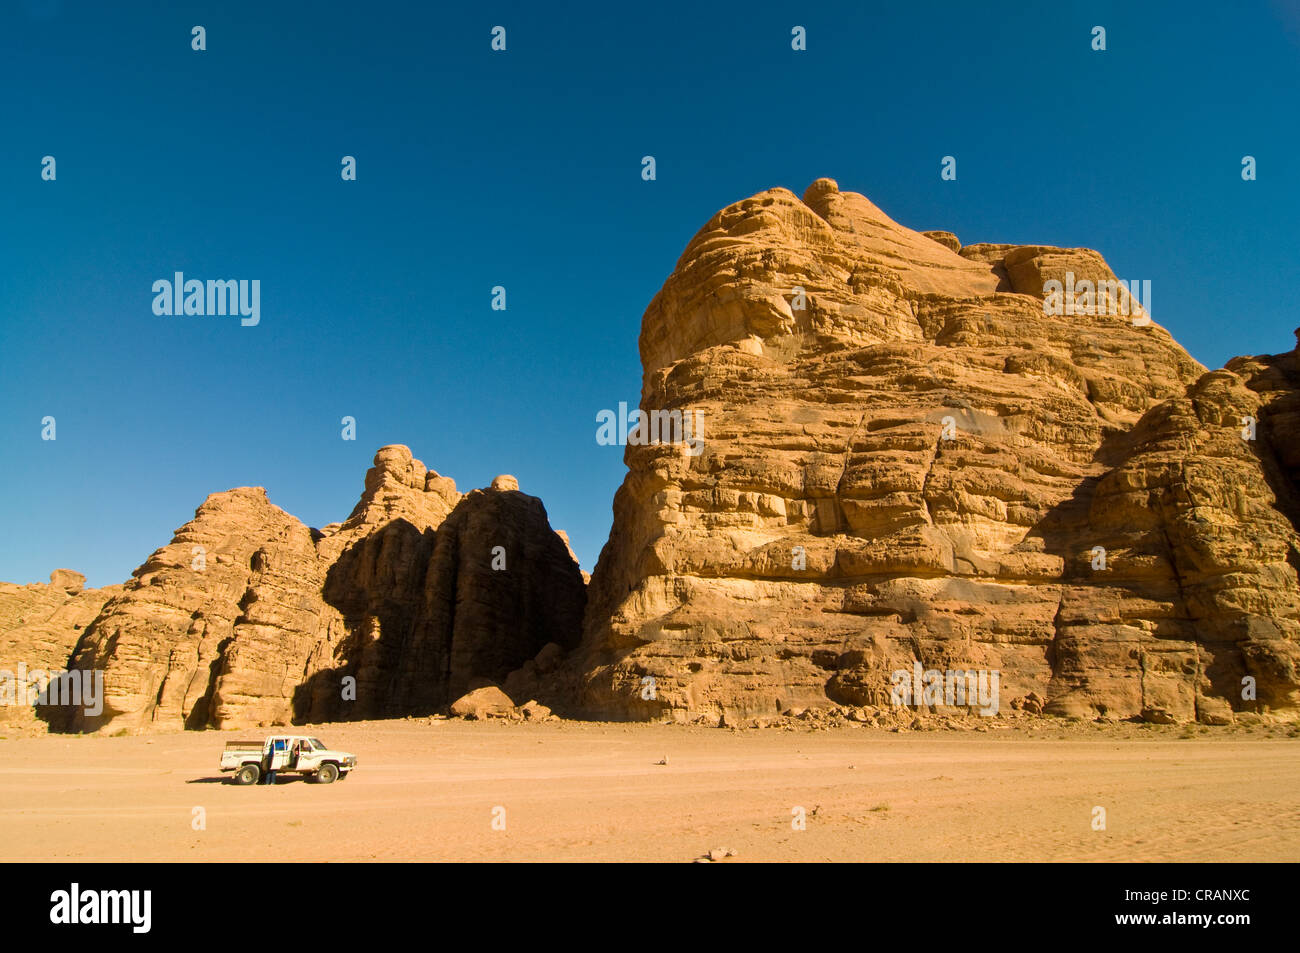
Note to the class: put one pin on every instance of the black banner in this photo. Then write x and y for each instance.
(278, 902)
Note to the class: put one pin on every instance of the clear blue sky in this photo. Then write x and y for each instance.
(522, 169)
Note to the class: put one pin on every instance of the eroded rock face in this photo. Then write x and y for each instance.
(922, 464)
(474, 601)
(248, 617)
(1198, 528)
(165, 643)
(39, 627)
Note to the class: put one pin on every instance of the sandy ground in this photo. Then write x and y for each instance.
(573, 791)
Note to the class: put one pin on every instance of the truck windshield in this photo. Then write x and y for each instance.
(317, 743)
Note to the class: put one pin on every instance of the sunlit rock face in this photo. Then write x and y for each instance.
(39, 626)
(909, 457)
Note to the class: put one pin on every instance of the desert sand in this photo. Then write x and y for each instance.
(427, 789)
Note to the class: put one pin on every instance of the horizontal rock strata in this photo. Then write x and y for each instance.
(907, 459)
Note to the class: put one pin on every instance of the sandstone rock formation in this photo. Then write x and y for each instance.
(473, 600)
(248, 617)
(167, 640)
(39, 625)
(906, 458)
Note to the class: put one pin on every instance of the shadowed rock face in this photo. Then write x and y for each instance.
(830, 534)
(250, 618)
(474, 601)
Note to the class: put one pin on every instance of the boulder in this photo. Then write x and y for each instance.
(69, 581)
(482, 702)
(534, 711)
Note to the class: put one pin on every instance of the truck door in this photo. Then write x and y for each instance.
(279, 754)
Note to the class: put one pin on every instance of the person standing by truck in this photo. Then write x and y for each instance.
(275, 746)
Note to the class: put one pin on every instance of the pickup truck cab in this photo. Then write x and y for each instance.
(298, 754)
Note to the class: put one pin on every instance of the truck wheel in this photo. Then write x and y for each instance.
(327, 774)
(248, 774)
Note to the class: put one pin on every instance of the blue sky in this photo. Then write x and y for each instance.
(522, 169)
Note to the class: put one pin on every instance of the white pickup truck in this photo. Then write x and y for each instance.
(298, 754)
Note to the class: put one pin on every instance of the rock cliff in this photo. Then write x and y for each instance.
(248, 617)
(872, 449)
(39, 625)
(907, 456)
